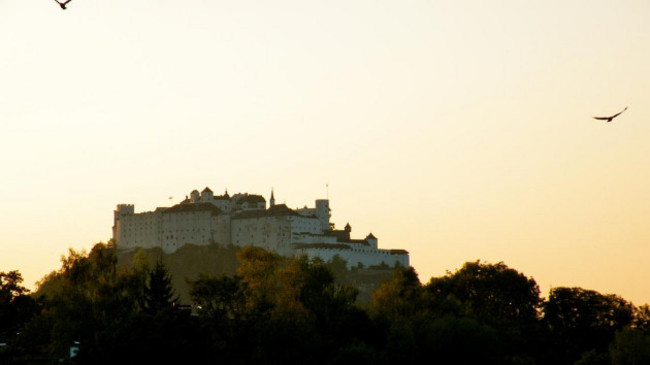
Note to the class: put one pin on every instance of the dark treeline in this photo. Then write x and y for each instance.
(292, 310)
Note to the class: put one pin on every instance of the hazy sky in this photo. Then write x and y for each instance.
(457, 130)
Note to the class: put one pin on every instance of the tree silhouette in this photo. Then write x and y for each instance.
(494, 293)
(159, 293)
(293, 310)
(581, 320)
(16, 309)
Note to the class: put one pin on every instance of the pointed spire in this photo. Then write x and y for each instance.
(272, 200)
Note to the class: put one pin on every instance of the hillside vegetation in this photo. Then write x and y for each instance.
(255, 307)
(189, 262)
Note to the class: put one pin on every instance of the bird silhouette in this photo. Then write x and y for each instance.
(62, 4)
(608, 119)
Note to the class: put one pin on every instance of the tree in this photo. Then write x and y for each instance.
(10, 286)
(219, 298)
(117, 314)
(17, 307)
(159, 293)
(399, 298)
(320, 293)
(630, 347)
(258, 272)
(81, 300)
(339, 268)
(493, 293)
(418, 325)
(275, 301)
(397, 308)
(580, 320)
(221, 306)
(641, 319)
(496, 296)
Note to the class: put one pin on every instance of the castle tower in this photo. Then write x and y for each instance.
(272, 200)
(372, 240)
(122, 211)
(207, 195)
(323, 213)
(194, 196)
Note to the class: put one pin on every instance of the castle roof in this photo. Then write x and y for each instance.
(308, 246)
(282, 210)
(207, 189)
(361, 242)
(278, 210)
(196, 207)
(399, 252)
(338, 246)
(253, 199)
(371, 236)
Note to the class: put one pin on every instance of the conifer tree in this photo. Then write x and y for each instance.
(159, 293)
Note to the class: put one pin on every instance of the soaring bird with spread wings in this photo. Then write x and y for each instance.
(608, 119)
(62, 4)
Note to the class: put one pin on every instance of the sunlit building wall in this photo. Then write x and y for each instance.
(244, 220)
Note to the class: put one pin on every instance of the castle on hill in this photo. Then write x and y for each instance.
(243, 220)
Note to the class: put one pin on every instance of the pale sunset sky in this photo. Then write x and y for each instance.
(457, 130)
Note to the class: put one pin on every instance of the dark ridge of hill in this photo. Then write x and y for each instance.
(367, 280)
(188, 262)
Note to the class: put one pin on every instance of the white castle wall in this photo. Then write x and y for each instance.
(136, 230)
(199, 228)
(269, 232)
(243, 220)
(273, 232)
(308, 238)
(366, 256)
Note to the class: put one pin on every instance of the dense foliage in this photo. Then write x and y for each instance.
(268, 309)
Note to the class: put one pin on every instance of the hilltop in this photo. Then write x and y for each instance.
(188, 262)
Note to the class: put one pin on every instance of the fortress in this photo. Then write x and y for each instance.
(243, 220)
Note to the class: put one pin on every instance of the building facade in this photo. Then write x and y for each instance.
(244, 220)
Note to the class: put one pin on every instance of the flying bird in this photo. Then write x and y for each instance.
(608, 119)
(62, 4)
